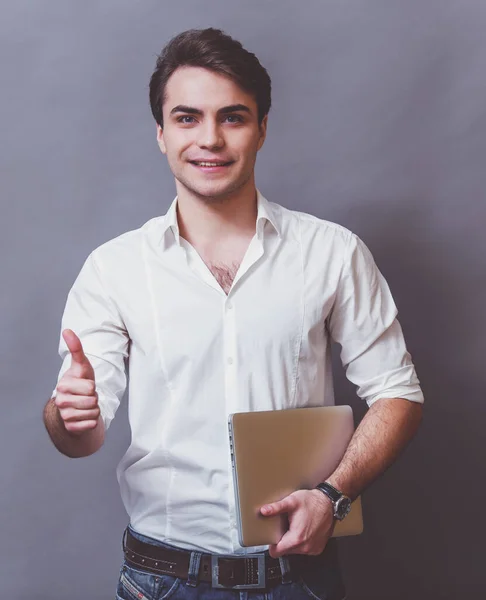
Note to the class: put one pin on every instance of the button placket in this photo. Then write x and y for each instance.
(230, 356)
(231, 398)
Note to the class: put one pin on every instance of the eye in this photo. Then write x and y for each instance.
(234, 119)
(186, 119)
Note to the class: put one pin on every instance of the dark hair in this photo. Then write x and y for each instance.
(214, 50)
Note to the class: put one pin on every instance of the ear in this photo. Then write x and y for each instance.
(160, 139)
(263, 131)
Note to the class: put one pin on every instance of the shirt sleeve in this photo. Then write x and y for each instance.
(363, 321)
(94, 317)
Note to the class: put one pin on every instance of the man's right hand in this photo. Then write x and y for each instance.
(76, 397)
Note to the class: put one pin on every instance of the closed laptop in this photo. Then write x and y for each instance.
(275, 453)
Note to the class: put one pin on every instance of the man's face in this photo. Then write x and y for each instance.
(211, 133)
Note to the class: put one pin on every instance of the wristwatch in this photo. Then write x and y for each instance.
(341, 504)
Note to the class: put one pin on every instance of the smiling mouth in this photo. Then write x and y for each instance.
(210, 164)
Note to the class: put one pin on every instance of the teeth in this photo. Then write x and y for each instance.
(210, 164)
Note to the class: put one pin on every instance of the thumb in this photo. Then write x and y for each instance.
(80, 365)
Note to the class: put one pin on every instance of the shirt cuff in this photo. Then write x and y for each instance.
(406, 393)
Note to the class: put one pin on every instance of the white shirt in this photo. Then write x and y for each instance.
(195, 354)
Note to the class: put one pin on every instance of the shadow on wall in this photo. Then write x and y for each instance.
(421, 516)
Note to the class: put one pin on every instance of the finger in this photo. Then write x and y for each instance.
(73, 414)
(80, 364)
(71, 385)
(79, 427)
(77, 402)
(277, 553)
(289, 544)
(308, 548)
(275, 508)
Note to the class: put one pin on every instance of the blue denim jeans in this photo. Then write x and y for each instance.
(319, 579)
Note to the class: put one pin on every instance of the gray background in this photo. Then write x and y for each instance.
(378, 123)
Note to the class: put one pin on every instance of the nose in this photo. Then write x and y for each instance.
(210, 136)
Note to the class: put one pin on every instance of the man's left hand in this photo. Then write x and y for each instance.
(311, 523)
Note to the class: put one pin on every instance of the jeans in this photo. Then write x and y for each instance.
(319, 579)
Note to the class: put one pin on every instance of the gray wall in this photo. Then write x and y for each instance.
(379, 123)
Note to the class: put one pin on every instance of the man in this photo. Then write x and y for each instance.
(225, 304)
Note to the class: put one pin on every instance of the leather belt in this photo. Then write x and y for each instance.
(222, 571)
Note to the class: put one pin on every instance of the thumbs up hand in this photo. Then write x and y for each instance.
(76, 397)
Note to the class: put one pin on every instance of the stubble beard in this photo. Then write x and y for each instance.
(214, 197)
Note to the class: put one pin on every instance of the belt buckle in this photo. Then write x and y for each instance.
(261, 572)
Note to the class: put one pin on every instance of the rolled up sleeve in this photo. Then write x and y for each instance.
(364, 322)
(94, 317)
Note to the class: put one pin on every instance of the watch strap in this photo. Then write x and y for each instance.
(341, 504)
(331, 492)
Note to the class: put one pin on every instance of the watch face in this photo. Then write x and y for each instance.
(343, 506)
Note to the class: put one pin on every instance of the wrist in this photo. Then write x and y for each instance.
(342, 486)
(323, 500)
(341, 504)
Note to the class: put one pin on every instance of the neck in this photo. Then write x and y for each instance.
(209, 221)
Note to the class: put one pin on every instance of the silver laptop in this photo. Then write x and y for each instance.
(275, 453)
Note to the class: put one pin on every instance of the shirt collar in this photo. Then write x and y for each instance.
(169, 221)
(264, 213)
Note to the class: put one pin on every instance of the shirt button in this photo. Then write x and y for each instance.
(230, 360)
(229, 306)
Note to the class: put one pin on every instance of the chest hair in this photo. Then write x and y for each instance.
(224, 274)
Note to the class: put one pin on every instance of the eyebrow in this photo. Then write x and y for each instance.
(182, 108)
(234, 108)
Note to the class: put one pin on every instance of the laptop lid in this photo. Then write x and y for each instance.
(275, 453)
